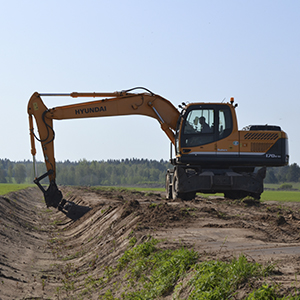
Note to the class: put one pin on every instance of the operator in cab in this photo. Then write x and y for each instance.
(204, 126)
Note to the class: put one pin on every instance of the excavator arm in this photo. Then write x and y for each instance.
(110, 104)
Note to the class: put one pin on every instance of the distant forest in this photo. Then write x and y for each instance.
(125, 172)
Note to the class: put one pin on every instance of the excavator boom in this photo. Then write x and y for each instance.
(112, 104)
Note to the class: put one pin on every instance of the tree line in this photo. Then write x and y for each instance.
(125, 172)
(289, 173)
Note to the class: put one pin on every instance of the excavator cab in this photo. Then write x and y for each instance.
(202, 129)
(205, 124)
(208, 135)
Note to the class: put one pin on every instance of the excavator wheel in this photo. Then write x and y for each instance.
(256, 196)
(175, 193)
(183, 196)
(187, 196)
(168, 186)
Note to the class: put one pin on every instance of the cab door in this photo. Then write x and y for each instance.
(227, 133)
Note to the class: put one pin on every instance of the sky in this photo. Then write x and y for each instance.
(185, 51)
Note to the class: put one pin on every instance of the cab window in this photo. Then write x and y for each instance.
(200, 120)
(199, 127)
(206, 125)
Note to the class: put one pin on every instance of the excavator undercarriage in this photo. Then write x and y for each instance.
(185, 181)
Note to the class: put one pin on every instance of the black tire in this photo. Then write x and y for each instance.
(175, 194)
(187, 196)
(183, 196)
(168, 186)
(256, 196)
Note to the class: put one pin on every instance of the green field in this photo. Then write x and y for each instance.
(295, 185)
(273, 193)
(267, 195)
(283, 196)
(6, 188)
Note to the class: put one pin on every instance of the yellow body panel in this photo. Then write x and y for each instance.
(257, 141)
(229, 144)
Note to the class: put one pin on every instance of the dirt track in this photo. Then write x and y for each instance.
(45, 254)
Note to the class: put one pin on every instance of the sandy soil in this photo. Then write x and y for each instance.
(45, 254)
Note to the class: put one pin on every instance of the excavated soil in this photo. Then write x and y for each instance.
(46, 254)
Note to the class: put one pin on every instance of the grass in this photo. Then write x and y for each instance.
(220, 280)
(267, 195)
(282, 196)
(273, 193)
(149, 272)
(295, 185)
(6, 188)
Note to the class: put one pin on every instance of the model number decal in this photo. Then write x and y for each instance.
(271, 155)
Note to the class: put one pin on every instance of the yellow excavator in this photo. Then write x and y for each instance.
(211, 154)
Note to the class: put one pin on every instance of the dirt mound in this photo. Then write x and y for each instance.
(47, 254)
